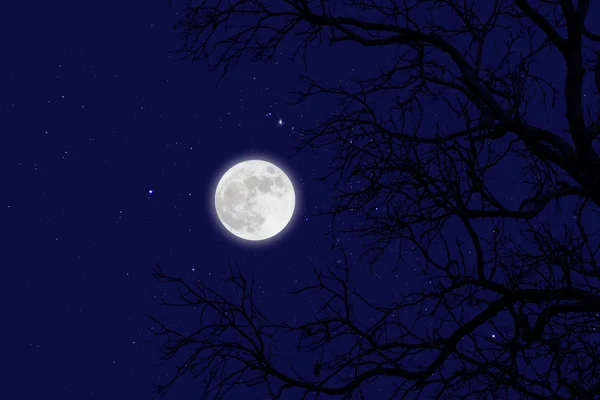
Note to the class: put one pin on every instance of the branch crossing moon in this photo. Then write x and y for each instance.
(255, 200)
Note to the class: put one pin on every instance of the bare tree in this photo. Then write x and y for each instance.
(408, 173)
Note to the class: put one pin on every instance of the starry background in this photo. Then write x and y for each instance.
(109, 150)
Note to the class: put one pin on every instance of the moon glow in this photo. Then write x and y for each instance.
(255, 200)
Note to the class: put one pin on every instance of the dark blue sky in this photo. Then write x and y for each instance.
(109, 153)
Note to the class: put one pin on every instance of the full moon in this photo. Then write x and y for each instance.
(255, 200)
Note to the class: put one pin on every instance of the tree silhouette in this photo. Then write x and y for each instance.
(406, 174)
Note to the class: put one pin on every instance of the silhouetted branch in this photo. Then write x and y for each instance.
(406, 170)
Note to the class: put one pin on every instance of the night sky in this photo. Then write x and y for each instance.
(110, 155)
